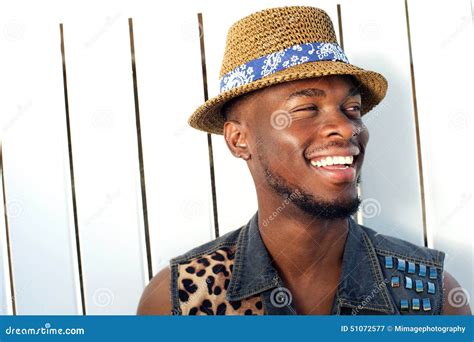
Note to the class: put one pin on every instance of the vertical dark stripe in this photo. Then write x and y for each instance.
(7, 232)
(339, 17)
(140, 150)
(71, 171)
(417, 130)
(209, 139)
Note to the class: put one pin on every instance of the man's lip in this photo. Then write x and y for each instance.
(347, 175)
(346, 152)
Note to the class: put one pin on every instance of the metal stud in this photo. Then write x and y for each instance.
(401, 265)
(411, 267)
(404, 304)
(408, 283)
(431, 288)
(426, 304)
(395, 281)
(416, 304)
(388, 262)
(418, 285)
(422, 271)
(433, 272)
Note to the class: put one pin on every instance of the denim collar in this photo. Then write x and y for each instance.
(253, 270)
(362, 285)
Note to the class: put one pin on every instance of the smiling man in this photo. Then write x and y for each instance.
(291, 107)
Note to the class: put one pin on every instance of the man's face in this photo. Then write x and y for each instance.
(293, 129)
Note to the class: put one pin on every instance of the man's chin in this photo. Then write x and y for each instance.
(346, 198)
(327, 209)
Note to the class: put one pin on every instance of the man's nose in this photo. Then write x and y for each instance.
(337, 123)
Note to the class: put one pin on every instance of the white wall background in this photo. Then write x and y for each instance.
(42, 270)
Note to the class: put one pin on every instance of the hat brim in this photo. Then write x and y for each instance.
(373, 87)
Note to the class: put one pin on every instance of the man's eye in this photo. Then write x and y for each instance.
(354, 108)
(304, 109)
(353, 111)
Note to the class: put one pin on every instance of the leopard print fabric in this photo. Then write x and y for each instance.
(203, 283)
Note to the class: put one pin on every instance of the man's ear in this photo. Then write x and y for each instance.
(236, 139)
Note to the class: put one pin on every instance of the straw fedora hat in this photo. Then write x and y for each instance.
(280, 45)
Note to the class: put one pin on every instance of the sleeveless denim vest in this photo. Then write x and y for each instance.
(380, 275)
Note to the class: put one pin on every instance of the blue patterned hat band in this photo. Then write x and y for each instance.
(280, 60)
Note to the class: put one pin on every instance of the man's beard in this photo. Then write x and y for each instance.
(312, 205)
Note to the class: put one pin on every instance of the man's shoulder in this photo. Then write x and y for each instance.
(223, 242)
(394, 246)
(164, 294)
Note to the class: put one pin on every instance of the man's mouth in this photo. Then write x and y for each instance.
(337, 169)
(336, 162)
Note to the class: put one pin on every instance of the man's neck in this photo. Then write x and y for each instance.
(302, 245)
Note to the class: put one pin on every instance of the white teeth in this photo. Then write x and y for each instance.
(336, 160)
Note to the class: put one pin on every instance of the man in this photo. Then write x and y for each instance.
(291, 107)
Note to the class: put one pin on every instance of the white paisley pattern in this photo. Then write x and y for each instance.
(277, 61)
(329, 49)
(271, 62)
(237, 77)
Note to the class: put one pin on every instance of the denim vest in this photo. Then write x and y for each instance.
(234, 275)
